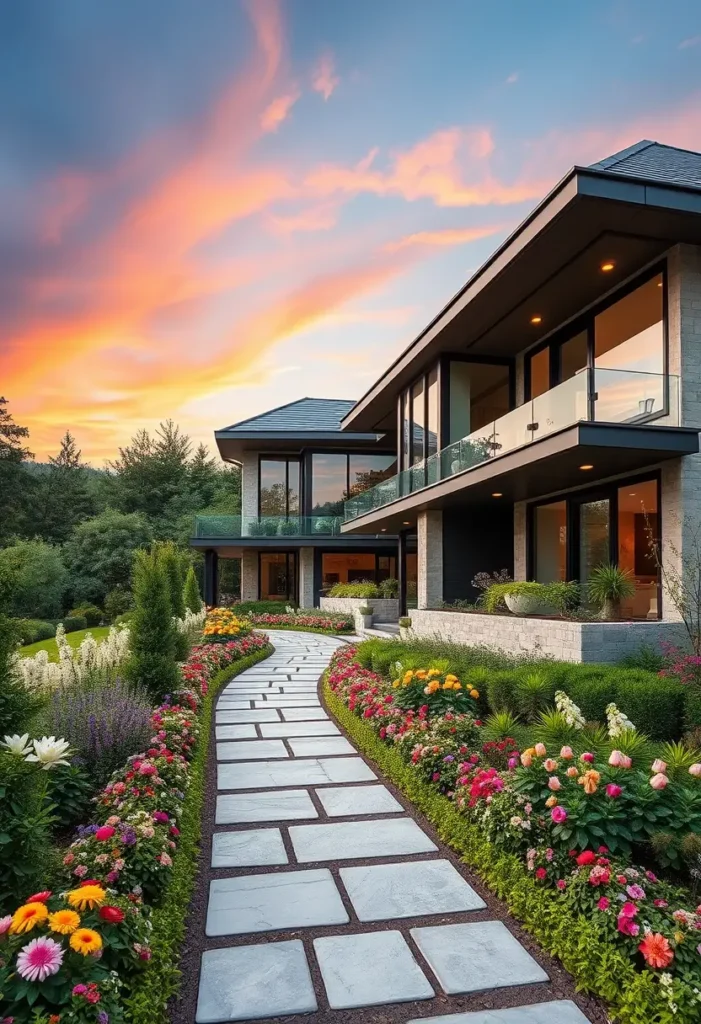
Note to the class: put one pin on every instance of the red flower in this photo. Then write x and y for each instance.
(39, 897)
(656, 950)
(90, 881)
(104, 833)
(604, 903)
(587, 857)
(541, 874)
(113, 915)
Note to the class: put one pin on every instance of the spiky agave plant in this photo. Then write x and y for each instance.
(535, 693)
(553, 730)
(500, 725)
(608, 586)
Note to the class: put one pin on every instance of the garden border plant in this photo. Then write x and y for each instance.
(633, 997)
(160, 982)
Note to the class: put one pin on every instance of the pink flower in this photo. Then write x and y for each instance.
(79, 990)
(5, 923)
(604, 903)
(695, 769)
(81, 871)
(550, 764)
(541, 874)
(558, 815)
(540, 749)
(617, 759)
(147, 769)
(104, 833)
(661, 903)
(659, 781)
(526, 760)
(635, 892)
(567, 753)
(160, 816)
(629, 910)
(658, 766)
(626, 925)
(572, 772)
(613, 790)
(561, 884)
(587, 757)
(39, 959)
(586, 857)
(554, 783)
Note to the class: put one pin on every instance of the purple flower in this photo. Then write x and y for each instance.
(636, 892)
(448, 758)
(103, 1017)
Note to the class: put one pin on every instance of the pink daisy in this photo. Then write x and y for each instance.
(39, 959)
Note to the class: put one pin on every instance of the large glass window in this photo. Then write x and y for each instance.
(367, 470)
(594, 534)
(478, 395)
(329, 484)
(638, 529)
(432, 426)
(573, 356)
(278, 574)
(279, 487)
(629, 334)
(417, 422)
(539, 364)
(550, 526)
(347, 568)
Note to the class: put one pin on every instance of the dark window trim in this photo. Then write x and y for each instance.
(585, 322)
(333, 550)
(287, 459)
(573, 499)
(308, 455)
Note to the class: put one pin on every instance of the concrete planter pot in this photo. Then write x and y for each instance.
(527, 604)
(366, 620)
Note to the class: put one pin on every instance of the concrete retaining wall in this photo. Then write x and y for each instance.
(384, 609)
(554, 638)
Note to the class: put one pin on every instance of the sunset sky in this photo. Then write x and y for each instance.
(212, 207)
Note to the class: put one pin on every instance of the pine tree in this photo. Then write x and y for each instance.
(15, 482)
(191, 592)
(172, 563)
(64, 497)
(17, 704)
(152, 663)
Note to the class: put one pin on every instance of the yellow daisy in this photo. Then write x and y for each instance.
(87, 896)
(85, 941)
(27, 916)
(64, 921)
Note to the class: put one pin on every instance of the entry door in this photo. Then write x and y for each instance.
(594, 529)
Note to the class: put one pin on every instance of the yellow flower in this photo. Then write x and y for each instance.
(447, 685)
(408, 676)
(451, 678)
(421, 673)
(85, 941)
(434, 671)
(551, 801)
(395, 684)
(87, 896)
(474, 694)
(24, 919)
(64, 921)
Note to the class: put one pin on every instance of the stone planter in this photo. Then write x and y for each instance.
(383, 609)
(528, 604)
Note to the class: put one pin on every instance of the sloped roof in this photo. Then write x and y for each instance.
(656, 162)
(320, 415)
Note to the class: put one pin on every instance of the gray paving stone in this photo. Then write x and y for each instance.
(273, 902)
(348, 840)
(322, 746)
(369, 970)
(255, 715)
(289, 702)
(293, 713)
(561, 1011)
(236, 705)
(381, 892)
(306, 772)
(248, 848)
(251, 982)
(288, 729)
(351, 800)
(236, 732)
(475, 957)
(288, 805)
(251, 750)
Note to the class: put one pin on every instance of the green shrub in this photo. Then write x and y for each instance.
(152, 662)
(17, 704)
(692, 706)
(31, 631)
(534, 694)
(117, 602)
(363, 588)
(124, 620)
(591, 697)
(25, 822)
(561, 595)
(173, 572)
(647, 657)
(655, 707)
(90, 612)
(72, 623)
(502, 691)
(389, 588)
(191, 592)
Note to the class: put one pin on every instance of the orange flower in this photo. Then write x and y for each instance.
(24, 919)
(590, 781)
(656, 950)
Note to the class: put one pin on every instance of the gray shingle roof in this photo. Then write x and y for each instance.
(656, 162)
(320, 415)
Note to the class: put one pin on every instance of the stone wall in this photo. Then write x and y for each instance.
(249, 484)
(306, 577)
(249, 575)
(429, 545)
(384, 609)
(553, 638)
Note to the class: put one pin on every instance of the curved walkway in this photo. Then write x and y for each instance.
(325, 892)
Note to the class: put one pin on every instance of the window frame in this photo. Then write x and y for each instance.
(290, 553)
(585, 322)
(287, 459)
(307, 470)
(573, 499)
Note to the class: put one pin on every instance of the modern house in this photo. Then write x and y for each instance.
(548, 417)
(297, 469)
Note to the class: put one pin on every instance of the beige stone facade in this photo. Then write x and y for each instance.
(429, 530)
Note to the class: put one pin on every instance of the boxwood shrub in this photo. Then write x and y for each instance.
(72, 623)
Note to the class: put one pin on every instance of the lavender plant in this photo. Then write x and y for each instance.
(104, 725)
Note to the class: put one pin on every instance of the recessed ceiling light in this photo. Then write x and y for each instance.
(383, 530)
(586, 466)
(659, 284)
(536, 319)
(406, 523)
(631, 494)
(497, 494)
(608, 265)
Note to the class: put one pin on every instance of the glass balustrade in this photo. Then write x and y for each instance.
(607, 396)
(220, 527)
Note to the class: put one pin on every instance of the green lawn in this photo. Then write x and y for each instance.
(74, 639)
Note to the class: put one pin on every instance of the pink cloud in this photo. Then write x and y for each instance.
(324, 81)
(445, 237)
(278, 111)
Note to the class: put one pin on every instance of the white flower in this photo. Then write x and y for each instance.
(49, 752)
(569, 710)
(17, 744)
(617, 722)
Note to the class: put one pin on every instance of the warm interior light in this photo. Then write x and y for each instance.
(497, 494)
(659, 284)
(609, 265)
(406, 523)
(383, 530)
(536, 319)
(631, 494)
(586, 466)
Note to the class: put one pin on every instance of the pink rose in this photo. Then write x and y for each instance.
(616, 759)
(558, 815)
(695, 769)
(604, 903)
(561, 884)
(550, 765)
(659, 767)
(540, 749)
(554, 783)
(81, 871)
(526, 760)
(572, 772)
(567, 753)
(104, 833)
(659, 781)
(613, 790)
(587, 757)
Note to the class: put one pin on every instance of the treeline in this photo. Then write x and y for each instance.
(68, 532)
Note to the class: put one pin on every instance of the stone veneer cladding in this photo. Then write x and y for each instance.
(429, 529)
(306, 577)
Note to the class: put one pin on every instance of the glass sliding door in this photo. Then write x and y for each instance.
(638, 532)
(594, 539)
(550, 542)
(278, 576)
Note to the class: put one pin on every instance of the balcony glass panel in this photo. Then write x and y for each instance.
(560, 407)
(234, 527)
(625, 396)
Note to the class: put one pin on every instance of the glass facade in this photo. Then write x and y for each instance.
(367, 470)
(279, 487)
(432, 407)
(594, 538)
(278, 576)
(355, 567)
(550, 538)
(417, 422)
(637, 533)
(329, 484)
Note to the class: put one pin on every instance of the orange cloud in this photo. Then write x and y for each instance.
(324, 81)
(277, 111)
(321, 217)
(445, 236)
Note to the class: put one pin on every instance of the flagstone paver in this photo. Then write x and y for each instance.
(282, 760)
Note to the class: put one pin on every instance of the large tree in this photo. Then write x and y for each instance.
(40, 578)
(100, 554)
(15, 482)
(63, 495)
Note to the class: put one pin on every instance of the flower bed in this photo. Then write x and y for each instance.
(304, 623)
(90, 943)
(554, 835)
(223, 625)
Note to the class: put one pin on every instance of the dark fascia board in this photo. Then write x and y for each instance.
(306, 438)
(578, 182)
(292, 543)
(660, 441)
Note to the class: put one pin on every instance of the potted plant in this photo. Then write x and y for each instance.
(521, 597)
(608, 586)
(365, 612)
(290, 527)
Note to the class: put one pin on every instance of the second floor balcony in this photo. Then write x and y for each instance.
(237, 527)
(598, 396)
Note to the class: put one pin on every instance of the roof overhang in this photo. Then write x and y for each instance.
(548, 266)
(233, 444)
(232, 547)
(549, 464)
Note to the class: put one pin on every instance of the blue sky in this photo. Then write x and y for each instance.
(210, 209)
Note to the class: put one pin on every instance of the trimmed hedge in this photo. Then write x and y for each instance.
(148, 1001)
(633, 997)
(72, 623)
(31, 631)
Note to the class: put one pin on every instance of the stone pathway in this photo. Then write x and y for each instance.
(324, 893)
